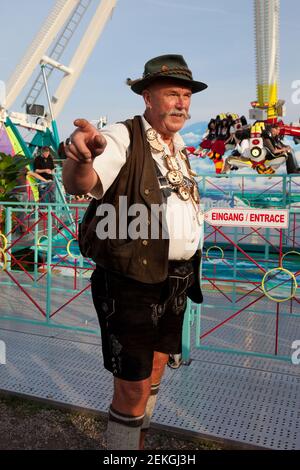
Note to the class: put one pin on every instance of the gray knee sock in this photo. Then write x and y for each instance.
(150, 406)
(123, 431)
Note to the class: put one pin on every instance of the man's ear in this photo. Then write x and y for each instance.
(147, 98)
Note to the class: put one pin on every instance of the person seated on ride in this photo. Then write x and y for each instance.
(210, 135)
(250, 155)
(236, 124)
(276, 148)
(223, 130)
(207, 140)
(233, 125)
(218, 147)
(271, 142)
(241, 152)
(243, 143)
(243, 121)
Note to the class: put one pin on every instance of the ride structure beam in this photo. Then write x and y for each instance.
(82, 54)
(51, 27)
(51, 61)
(267, 54)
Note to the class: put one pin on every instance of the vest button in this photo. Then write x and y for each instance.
(145, 242)
(145, 262)
(147, 191)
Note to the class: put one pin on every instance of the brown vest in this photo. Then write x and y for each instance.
(145, 260)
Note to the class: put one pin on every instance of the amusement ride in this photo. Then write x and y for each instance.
(267, 109)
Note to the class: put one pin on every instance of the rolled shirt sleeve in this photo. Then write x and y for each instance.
(109, 163)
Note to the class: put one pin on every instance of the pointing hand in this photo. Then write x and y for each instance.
(85, 143)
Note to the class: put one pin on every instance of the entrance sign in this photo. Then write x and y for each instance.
(241, 217)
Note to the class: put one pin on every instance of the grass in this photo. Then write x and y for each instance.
(28, 424)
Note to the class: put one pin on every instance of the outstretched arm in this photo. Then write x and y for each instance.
(37, 176)
(86, 143)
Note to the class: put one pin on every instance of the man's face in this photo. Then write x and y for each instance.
(168, 105)
(45, 153)
(275, 131)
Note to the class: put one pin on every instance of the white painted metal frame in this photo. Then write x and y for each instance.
(267, 43)
(54, 22)
(36, 53)
(82, 53)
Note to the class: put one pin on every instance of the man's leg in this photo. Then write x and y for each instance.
(291, 164)
(43, 192)
(126, 413)
(132, 408)
(159, 363)
(52, 191)
(129, 335)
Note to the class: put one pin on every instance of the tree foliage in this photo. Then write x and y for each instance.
(11, 169)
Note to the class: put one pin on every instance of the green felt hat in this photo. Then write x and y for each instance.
(170, 66)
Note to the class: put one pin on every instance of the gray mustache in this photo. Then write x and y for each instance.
(175, 112)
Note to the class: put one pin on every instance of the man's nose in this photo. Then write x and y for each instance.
(180, 103)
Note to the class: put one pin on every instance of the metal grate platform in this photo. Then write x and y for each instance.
(244, 399)
(233, 403)
(254, 329)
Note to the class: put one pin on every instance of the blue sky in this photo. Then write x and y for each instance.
(216, 38)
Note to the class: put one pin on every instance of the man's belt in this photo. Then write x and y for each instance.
(180, 267)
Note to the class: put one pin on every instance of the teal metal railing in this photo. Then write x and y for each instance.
(237, 316)
(41, 265)
(232, 281)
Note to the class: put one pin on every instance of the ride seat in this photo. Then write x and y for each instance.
(271, 156)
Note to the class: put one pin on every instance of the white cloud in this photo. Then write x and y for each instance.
(191, 138)
(202, 166)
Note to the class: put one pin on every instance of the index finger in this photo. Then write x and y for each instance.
(83, 124)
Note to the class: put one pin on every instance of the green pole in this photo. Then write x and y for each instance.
(186, 332)
(55, 133)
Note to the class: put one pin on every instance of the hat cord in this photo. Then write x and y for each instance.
(168, 71)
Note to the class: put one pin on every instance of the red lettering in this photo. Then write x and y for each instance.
(253, 217)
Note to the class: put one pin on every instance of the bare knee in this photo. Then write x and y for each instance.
(159, 363)
(131, 397)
